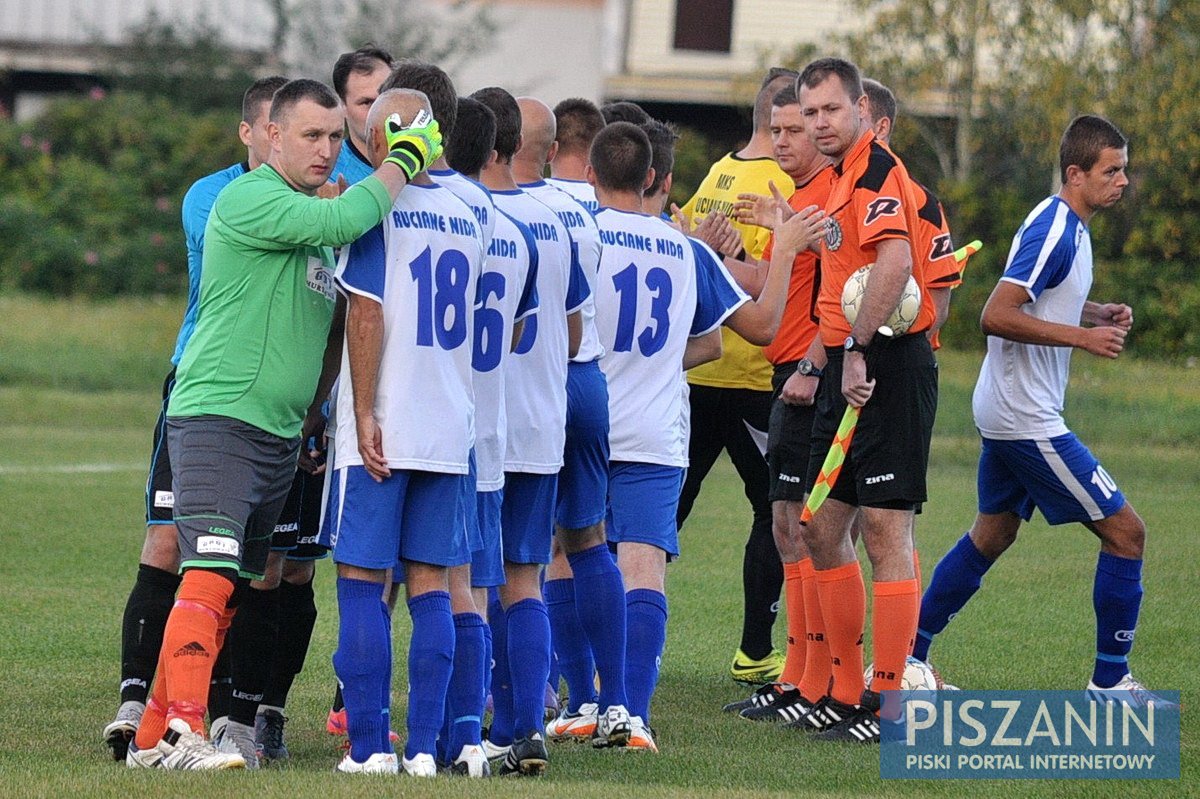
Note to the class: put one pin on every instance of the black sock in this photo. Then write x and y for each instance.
(762, 580)
(297, 616)
(142, 627)
(219, 687)
(339, 704)
(252, 639)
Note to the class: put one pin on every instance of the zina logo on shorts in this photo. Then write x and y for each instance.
(879, 478)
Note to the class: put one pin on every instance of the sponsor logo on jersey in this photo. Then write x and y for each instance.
(833, 235)
(879, 478)
(879, 207)
(319, 278)
(942, 246)
(164, 499)
(217, 545)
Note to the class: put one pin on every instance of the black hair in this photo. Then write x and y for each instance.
(621, 156)
(474, 137)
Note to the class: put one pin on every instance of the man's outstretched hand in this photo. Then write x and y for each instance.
(415, 147)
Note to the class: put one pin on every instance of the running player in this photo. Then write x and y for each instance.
(411, 282)
(536, 402)
(584, 593)
(1036, 316)
(730, 399)
(153, 591)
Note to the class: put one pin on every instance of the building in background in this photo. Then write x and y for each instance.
(691, 61)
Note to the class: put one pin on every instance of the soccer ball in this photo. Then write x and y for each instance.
(918, 676)
(904, 315)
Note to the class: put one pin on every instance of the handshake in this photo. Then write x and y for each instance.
(415, 147)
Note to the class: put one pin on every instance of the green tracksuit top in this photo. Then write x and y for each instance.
(267, 298)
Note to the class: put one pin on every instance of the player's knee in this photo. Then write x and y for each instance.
(573, 541)
(1126, 538)
(299, 572)
(161, 549)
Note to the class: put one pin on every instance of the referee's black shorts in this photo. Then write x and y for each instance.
(889, 455)
(789, 440)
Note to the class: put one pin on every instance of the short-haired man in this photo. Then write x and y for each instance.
(250, 386)
(806, 669)
(662, 136)
(153, 591)
(1036, 316)
(872, 213)
(536, 400)
(624, 111)
(931, 239)
(406, 428)
(730, 399)
(657, 290)
(576, 123)
(357, 77)
(584, 593)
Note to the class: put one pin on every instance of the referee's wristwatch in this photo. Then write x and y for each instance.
(854, 345)
(806, 368)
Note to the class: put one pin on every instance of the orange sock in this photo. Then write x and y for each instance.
(793, 597)
(893, 629)
(817, 668)
(190, 644)
(154, 720)
(844, 608)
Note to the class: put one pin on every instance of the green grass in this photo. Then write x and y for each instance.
(71, 397)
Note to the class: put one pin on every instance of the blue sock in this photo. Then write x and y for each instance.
(430, 661)
(488, 662)
(385, 732)
(360, 663)
(501, 731)
(570, 643)
(554, 675)
(529, 662)
(646, 612)
(955, 580)
(600, 604)
(1117, 598)
(465, 698)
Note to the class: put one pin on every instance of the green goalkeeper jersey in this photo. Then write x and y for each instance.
(267, 298)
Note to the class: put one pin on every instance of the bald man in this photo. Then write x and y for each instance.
(405, 430)
(585, 595)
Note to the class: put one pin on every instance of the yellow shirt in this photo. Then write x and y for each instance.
(742, 365)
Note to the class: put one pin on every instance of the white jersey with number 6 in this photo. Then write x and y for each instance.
(508, 294)
(535, 384)
(422, 264)
(655, 289)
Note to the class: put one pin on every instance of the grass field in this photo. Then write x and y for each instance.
(78, 395)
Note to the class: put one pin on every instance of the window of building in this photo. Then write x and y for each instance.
(704, 25)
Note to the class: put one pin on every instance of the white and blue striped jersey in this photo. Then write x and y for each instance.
(1022, 387)
(535, 381)
(422, 264)
(581, 190)
(656, 288)
(507, 294)
(474, 194)
(582, 227)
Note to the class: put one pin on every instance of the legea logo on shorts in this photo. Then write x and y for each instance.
(164, 499)
(217, 545)
(220, 531)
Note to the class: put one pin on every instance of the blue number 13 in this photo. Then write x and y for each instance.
(653, 337)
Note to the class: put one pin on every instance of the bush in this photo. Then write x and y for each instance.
(90, 193)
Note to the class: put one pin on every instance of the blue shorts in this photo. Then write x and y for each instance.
(470, 512)
(527, 516)
(583, 481)
(412, 516)
(643, 499)
(1059, 476)
(487, 561)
